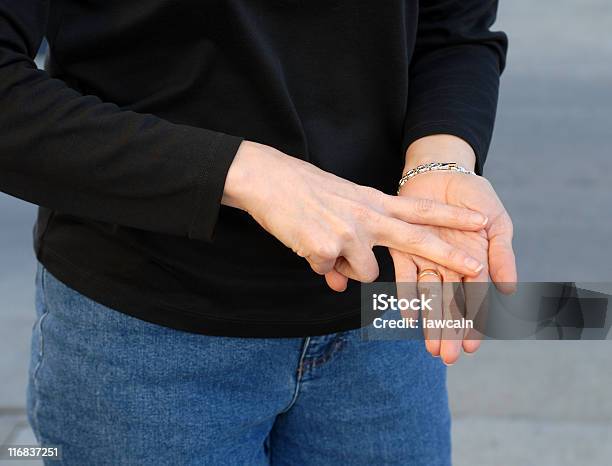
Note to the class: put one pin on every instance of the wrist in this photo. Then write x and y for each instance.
(448, 167)
(235, 191)
(440, 148)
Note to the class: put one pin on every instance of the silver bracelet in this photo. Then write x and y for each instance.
(431, 167)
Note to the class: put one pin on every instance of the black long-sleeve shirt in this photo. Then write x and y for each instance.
(126, 138)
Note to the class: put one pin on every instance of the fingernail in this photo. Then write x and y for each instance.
(508, 288)
(479, 219)
(473, 264)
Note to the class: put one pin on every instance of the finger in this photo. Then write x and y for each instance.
(471, 345)
(502, 263)
(429, 287)
(453, 309)
(421, 241)
(321, 266)
(336, 281)
(476, 293)
(429, 212)
(405, 278)
(358, 262)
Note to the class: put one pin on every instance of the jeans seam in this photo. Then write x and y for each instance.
(41, 347)
(337, 346)
(299, 375)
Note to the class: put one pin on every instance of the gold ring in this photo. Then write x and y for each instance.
(426, 272)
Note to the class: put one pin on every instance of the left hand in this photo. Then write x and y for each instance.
(492, 246)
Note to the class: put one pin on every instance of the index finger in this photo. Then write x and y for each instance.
(421, 241)
(425, 211)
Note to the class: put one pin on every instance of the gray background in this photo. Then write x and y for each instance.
(514, 403)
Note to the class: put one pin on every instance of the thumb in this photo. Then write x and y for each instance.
(502, 263)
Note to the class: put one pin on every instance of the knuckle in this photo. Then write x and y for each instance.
(301, 250)
(362, 213)
(320, 268)
(458, 215)
(325, 250)
(346, 233)
(455, 256)
(375, 230)
(424, 206)
(372, 194)
(370, 275)
(368, 269)
(385, 202)
(302, 240)
(316, 266)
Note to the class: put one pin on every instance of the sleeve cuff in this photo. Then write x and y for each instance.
(212, 174)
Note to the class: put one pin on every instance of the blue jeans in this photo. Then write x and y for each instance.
(114, 390)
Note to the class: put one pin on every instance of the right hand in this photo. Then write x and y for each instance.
(334, 223)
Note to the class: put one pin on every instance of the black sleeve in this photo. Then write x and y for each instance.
(78, 155)
(454, 73)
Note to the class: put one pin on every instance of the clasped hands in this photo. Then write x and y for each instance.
(448, 222)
